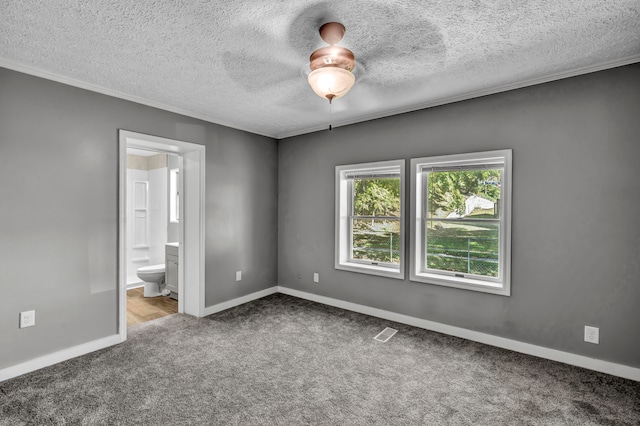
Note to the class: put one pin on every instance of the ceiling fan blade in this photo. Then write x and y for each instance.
(390, 42)
(397, 55)
(256, 73)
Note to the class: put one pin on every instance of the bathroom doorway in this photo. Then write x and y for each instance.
(161, 193)
(152, 234)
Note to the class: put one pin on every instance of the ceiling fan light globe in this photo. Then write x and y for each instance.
(331, 81)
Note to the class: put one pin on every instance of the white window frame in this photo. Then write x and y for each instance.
(418, 272)
(343, 206)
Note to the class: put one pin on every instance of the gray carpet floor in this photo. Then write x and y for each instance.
(286, 361)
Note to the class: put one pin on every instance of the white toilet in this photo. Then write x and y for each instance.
(153, 277)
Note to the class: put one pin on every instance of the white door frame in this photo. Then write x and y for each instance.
(191, 229)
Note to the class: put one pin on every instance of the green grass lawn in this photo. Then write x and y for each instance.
(376, 240)
(466, 247)
(380, 246)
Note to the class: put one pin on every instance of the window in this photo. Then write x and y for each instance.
(461, 212)
(174, 196)
(370, 218)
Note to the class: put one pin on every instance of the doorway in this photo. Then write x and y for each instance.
(152, 234)
(190, 227)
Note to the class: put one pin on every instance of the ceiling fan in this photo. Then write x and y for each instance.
(389, 56)
(331, 74)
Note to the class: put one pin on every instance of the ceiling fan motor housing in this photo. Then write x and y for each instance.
(331, 74)
(332, 55)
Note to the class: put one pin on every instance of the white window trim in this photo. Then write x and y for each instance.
(500, 286)
(342, 234)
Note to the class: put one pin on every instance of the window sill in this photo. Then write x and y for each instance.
(463, 283)
(382, 271)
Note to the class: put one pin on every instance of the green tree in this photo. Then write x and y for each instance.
(377, 197)
(376, 239)
(448, 191)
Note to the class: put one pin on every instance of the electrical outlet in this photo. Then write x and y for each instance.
(299, 275)
(27, 319)
(316, 277)
(591, 334)
(238, 275)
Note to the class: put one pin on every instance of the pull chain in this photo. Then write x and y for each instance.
(330, 96)
(330, 116)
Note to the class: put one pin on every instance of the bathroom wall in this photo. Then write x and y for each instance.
(59, 216)
(153, 170)
(158, 210)
(136, 255)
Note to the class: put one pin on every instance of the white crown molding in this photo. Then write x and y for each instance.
(607, 367)
(471, 95)
(367, 117)
(120, 95)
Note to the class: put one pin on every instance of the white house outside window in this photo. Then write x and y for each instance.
(370, 218)
(461, 217)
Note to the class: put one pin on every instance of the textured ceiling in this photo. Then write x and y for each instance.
(243, 63)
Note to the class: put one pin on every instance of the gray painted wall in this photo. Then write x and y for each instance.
(59, 210)
(576, 243)
(242, 209)
(576, 206)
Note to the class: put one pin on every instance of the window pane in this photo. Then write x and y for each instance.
(464, 193)
(463, 246)
(174, 199)
(376, 197)
(377, 240)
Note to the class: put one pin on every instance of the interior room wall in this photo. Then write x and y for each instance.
(59, 215)
(242, 232)
(575, 233)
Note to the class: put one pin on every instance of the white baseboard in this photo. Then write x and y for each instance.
(607, 367)
(85, 348)
(56, 357)
(614, 369)
(239, 301)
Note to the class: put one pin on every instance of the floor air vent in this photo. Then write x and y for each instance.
(385, 334)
